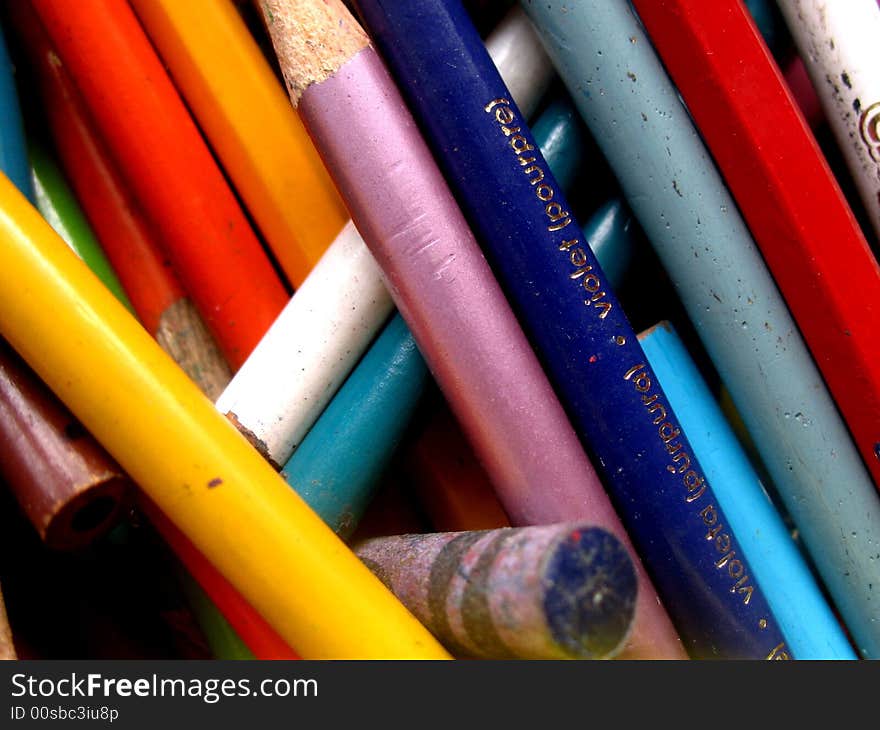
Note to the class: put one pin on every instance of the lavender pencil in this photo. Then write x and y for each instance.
(441, 283)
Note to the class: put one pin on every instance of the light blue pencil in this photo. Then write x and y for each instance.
(637, 118)
(807, 622)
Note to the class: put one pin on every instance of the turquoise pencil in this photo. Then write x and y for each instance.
(810, 628)
(339, 463)
(13, 149)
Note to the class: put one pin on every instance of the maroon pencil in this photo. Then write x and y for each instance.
(68, 486)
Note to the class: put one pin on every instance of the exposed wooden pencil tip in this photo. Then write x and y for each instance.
(312, 39)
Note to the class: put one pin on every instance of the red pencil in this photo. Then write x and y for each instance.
(126, 237)
(153, 288)
(168, 167)
(787, 193)
(260, 637)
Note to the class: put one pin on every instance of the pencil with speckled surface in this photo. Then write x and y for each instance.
(549, 592)
(169, 168)
(440, 281)
(746, 115)
(693, 224)
(837, 42)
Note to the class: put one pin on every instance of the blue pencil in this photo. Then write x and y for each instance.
(810, 627)
(639, 121)
(520, 215)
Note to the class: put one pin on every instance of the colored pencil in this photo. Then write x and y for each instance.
(750, 122)
(439, 280)
(308, 351)
(571, 315)
(521, 61)
(128, 239)
(693, 224)
(169, 168)
(811, 629)
(339, 463)
(548, 592)
(59, 206)
(67, 485)
(241, 107)
(291, 376)
(838, 45)
(189, 459)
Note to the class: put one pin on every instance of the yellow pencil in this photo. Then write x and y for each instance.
(244, 112)
(186, 456)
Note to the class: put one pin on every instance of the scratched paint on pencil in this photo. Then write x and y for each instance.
(548, 592)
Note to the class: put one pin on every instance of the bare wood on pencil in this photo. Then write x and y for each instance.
(182, 333)
(307, 53)
(7, 647)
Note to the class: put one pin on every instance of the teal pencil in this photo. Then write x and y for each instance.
(339, 463)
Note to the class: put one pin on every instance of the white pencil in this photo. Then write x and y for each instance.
(521, 60)
(299, 364)
(838, 42)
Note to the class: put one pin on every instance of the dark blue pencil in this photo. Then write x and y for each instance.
(519, 214)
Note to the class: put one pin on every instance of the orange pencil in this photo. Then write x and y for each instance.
(246, 116)
(452, 487)
(168, 167)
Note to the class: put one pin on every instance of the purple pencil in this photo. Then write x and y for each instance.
(443, 286)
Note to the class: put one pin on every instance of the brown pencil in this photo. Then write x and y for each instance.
(68, 486)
